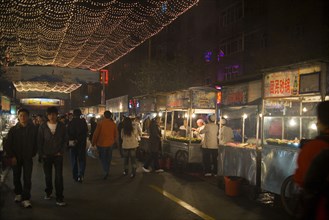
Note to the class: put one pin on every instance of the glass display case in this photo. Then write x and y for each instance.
(287, 121)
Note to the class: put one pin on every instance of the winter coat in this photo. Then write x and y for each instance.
(210, 138)
(21, 142)
(130, 142)
(106, 133)
(51, 144)
(155, 137)
(78, 130)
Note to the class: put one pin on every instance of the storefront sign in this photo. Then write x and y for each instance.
(203, 99)
(236, 95)
(281, 84)
(178, 100)
(42, 102)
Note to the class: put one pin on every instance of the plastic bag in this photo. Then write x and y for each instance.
(92, 151)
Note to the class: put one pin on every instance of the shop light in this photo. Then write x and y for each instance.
(98, 116)
(186, 115)
(313, 126)
(154, 115)
(292, 123)
(193, 115)
(160, 114)
(304, 109)
(260, 115)
(225, 116)
(244, 116)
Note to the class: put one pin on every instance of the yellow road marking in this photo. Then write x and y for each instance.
(182, 203)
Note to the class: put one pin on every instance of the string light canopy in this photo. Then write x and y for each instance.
(26, 86)
(87, 34)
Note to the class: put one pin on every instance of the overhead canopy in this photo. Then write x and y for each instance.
(45, 86)
(87, 34)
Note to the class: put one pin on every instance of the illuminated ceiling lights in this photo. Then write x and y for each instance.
(87, 34)
(45, 86)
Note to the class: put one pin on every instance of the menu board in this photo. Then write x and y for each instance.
(281, 84)
(204, 99)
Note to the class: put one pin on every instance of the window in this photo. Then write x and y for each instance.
(232, 46)
(232, 14)
(231, 72)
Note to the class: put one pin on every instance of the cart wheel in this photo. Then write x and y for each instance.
(290, 195)
(181, 160)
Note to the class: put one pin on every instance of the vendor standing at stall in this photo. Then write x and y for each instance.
(210, 146)
(225, 132)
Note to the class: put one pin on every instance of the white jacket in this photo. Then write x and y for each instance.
(210, 138)
(130, 142)
(225, 135)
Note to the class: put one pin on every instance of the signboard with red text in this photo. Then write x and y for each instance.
(281, 84)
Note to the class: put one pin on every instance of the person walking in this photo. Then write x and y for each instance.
(311, 174)
(105, 136)
(21, 147)
(78, 132)
(130, 135)
(155, 146)
(52, 140)
(210, 146)
(93, 125)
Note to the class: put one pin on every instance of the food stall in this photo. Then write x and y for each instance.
(183, 108)
(118, 106)
(241, 106)
(289, 115)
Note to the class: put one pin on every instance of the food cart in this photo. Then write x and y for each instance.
(186, 106)
(241, 107)
(289, 115)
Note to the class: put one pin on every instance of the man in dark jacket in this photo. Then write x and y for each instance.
(52, 140)
(78, 131)
(21, 147)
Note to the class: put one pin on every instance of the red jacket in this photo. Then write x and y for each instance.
(306, 155)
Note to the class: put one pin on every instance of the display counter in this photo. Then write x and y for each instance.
(238, 160)
(278, 162)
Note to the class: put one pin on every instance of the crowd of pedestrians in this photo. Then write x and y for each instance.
(51, 136)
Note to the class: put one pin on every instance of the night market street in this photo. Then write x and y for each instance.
(147, 196)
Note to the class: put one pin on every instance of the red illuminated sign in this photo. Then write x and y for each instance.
(104, 76)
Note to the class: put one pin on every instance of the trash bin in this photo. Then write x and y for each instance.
(232, 185)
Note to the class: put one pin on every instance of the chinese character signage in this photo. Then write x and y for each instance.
(281, 84)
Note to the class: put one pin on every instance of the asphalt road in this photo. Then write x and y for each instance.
(147, 196)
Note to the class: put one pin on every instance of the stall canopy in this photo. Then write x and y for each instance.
(84, 34)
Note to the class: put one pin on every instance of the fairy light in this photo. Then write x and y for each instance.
(45, 86)
(85, 34)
